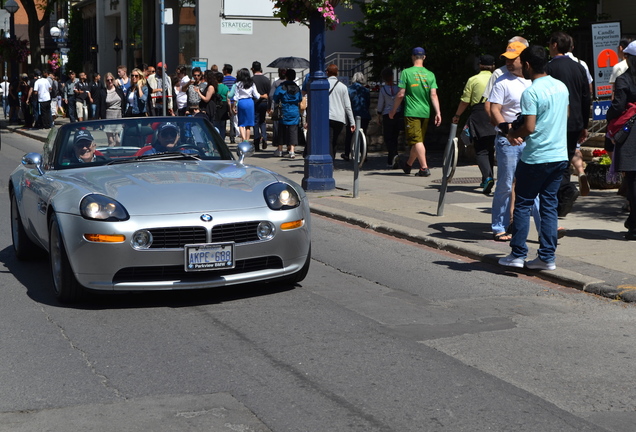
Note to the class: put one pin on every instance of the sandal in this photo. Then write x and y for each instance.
(561, 232)
(502, 237)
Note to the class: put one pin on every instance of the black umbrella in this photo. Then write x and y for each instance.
(290, 63)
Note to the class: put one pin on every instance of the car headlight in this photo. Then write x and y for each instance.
(100, 207)
(281, 196)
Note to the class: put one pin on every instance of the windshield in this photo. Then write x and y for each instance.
(106, 141)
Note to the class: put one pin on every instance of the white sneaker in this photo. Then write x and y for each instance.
(537, 264)
(278, 153)
(395, 164)
(292, 155)
(512, 261)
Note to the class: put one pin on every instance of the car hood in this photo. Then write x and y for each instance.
(165, 187)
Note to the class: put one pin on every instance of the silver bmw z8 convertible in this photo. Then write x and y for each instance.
(155, 203)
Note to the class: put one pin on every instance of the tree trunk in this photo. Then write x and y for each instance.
(35, 25)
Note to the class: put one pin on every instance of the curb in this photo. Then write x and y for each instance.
(559, 276)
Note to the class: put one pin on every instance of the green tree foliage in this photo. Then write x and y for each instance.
(455, 32)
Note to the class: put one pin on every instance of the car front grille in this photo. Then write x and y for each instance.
(161, 273)
(177, 237)
(240, 232)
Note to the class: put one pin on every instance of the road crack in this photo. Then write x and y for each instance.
(103, 379)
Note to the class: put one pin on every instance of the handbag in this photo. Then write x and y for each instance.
(277, 113)
(621, 136)
(618, 128)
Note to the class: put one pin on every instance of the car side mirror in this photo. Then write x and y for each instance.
(244, 149)
(33, 160)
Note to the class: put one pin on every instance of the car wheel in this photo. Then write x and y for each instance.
(24, 248)
(300, 275)
(67, 288)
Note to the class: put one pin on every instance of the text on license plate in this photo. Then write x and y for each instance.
(212, 256)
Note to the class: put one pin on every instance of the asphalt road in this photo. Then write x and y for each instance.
(383, 335)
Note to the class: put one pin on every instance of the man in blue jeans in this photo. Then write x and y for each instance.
(544, 107)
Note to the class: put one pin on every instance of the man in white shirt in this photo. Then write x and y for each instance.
(620, 67)
(42, 90)
(497, 73)
(181, 90)
(161, 75)
(4, 94)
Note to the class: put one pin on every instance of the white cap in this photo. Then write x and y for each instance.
(631, 49)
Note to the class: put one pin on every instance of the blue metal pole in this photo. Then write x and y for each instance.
(164, 69)
(318, 163)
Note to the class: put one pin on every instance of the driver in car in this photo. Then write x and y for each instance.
(84, 148)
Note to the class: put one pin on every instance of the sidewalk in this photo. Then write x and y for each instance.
(593, 256)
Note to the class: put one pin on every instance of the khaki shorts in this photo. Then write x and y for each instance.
(415, 129)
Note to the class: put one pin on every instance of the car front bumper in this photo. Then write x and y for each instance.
(120, 267)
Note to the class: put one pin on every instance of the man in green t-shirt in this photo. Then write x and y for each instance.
(419, 88)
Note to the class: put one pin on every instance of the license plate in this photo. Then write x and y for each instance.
(209, 256)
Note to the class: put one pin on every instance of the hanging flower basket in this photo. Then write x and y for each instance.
(54, 63)
(299, 11)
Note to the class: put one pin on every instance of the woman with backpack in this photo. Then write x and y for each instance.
(207, 103)
(288, 95)
(390, 126)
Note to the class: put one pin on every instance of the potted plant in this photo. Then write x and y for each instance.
(599, 174)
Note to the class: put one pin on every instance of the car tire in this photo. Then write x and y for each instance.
(23, 246)
(300, 275)
(67, 288)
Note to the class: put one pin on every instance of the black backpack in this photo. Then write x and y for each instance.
(55, 89)
(220, 107)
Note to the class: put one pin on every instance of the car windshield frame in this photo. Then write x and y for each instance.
(131, 139)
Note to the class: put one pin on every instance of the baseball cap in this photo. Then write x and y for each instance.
(513, 50)
(418, 51)
(160, 64)
(167, 126)
(82, 135)
(486, 60)
(631, 49)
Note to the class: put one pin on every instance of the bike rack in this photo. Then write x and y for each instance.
(359, 150)
(448, 170)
